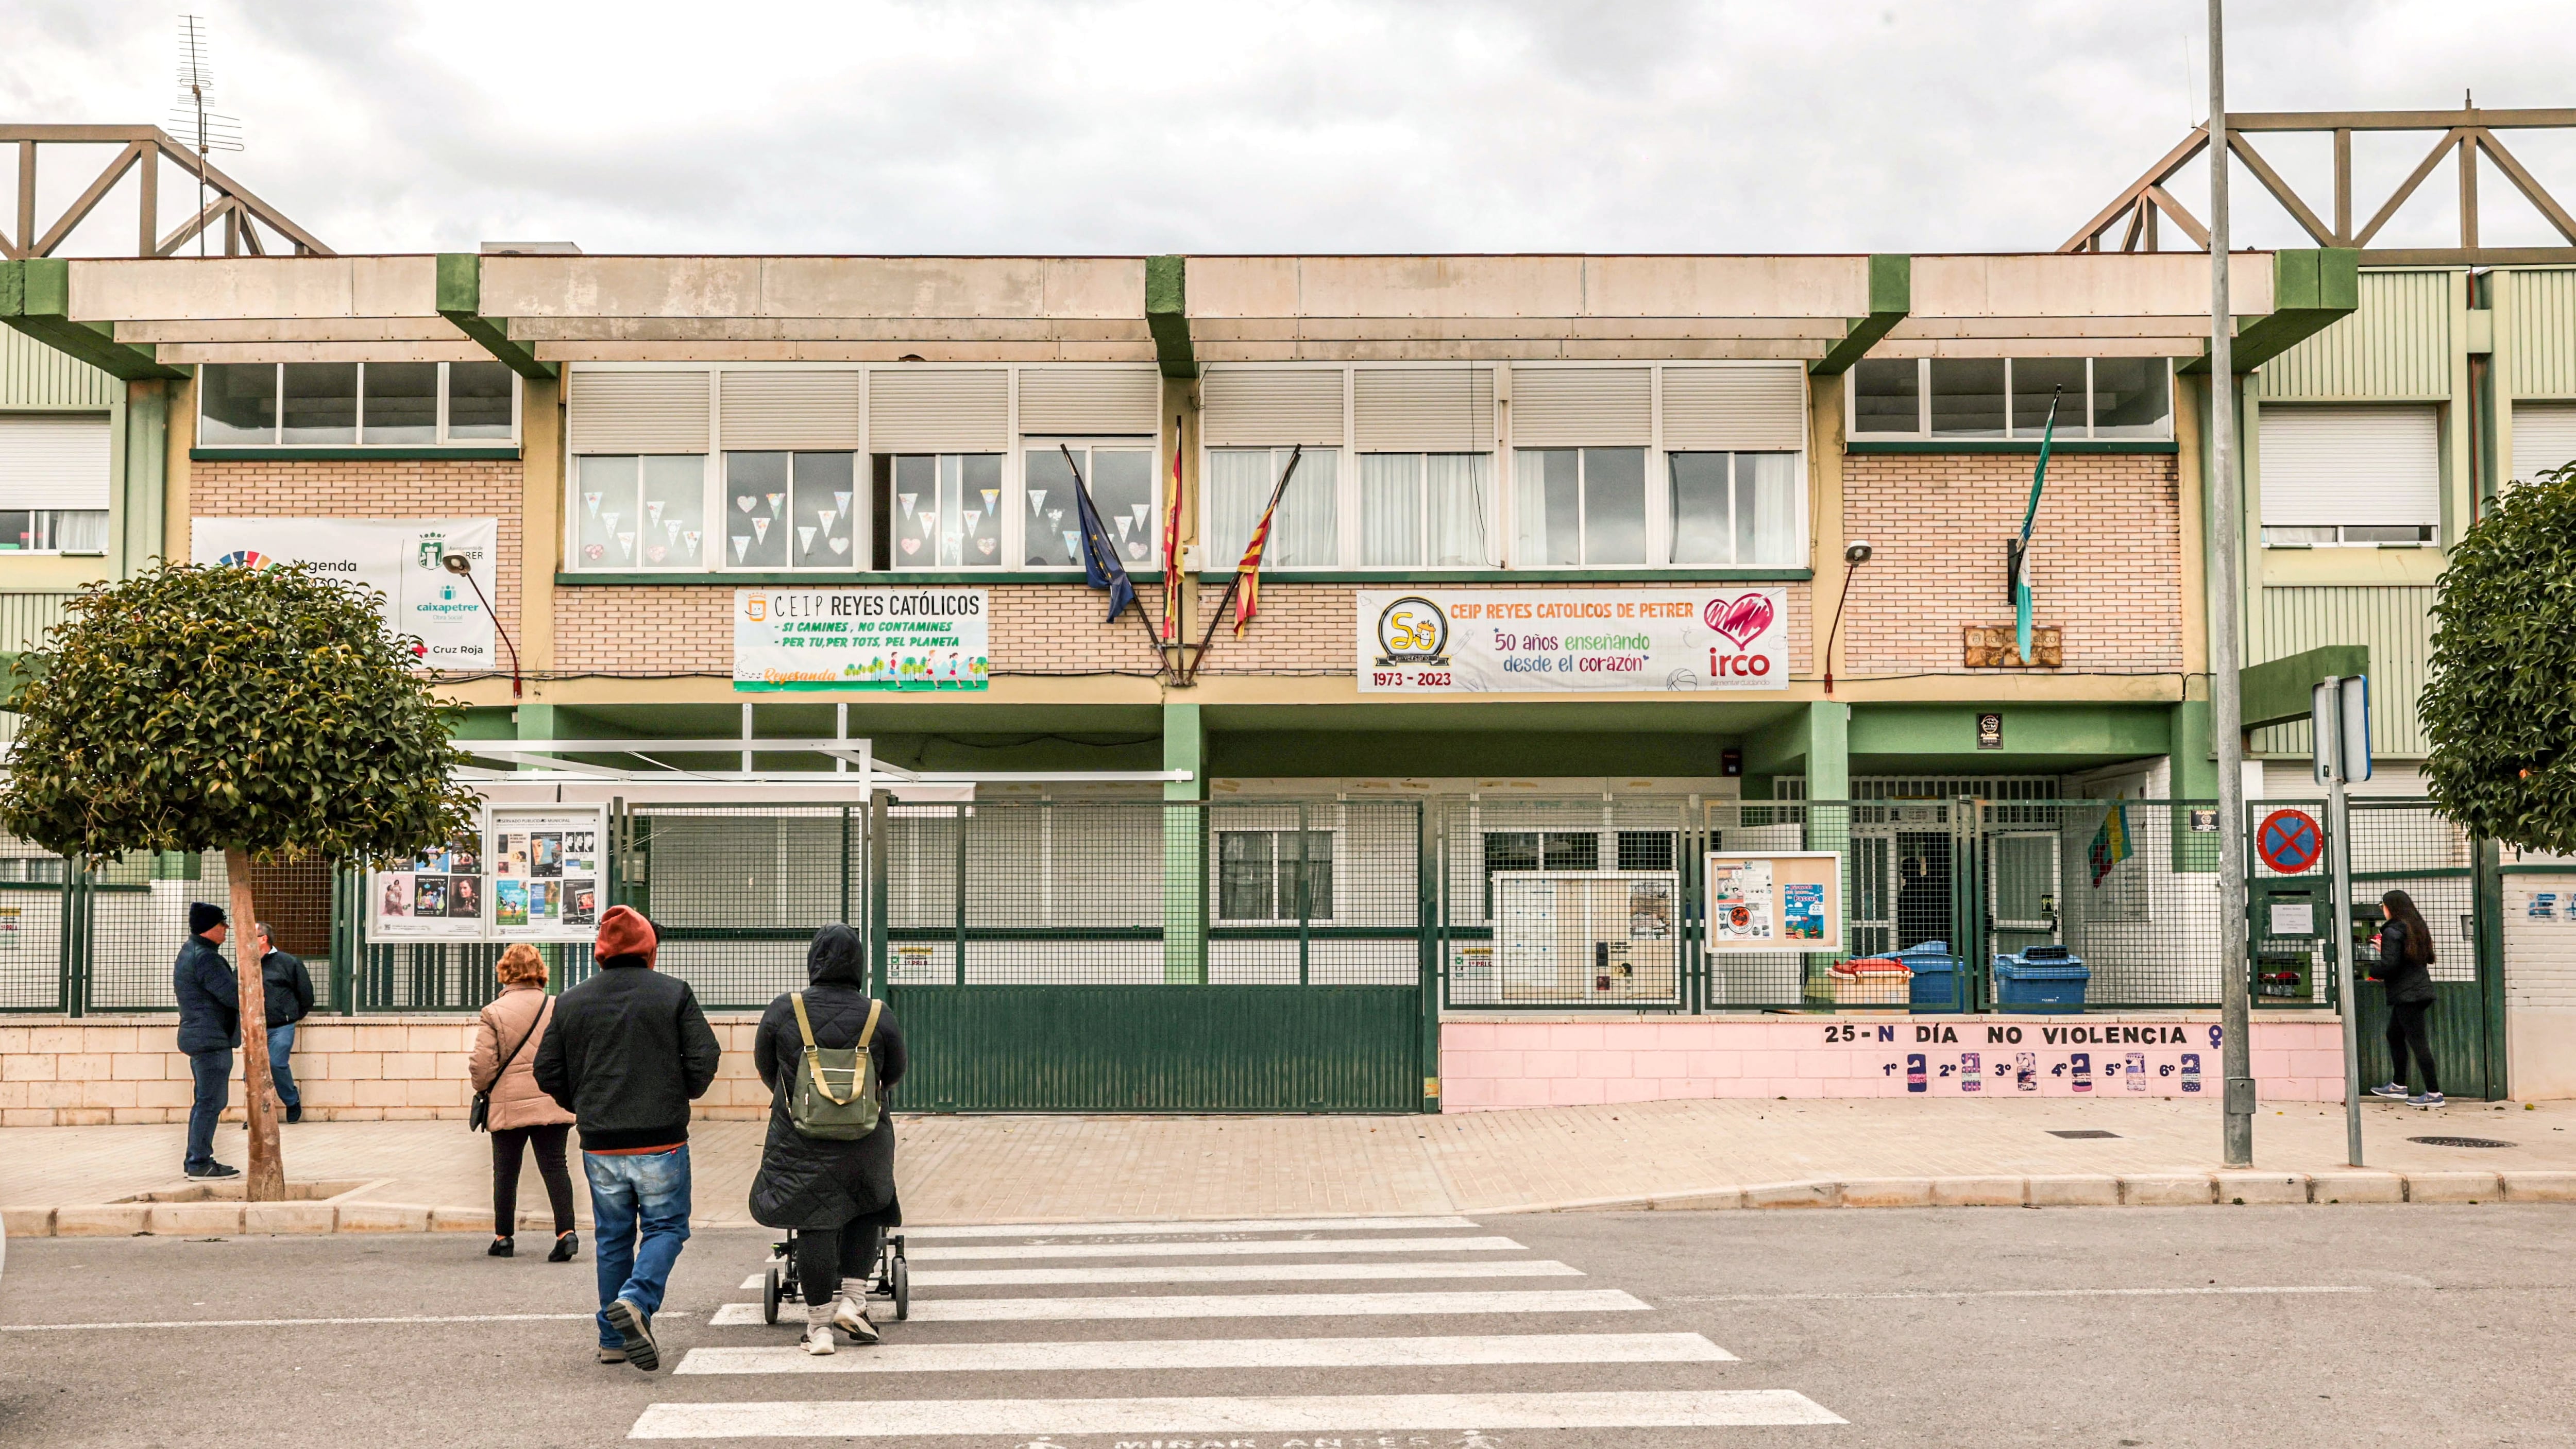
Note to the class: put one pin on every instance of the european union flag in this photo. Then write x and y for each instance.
(1100, 566)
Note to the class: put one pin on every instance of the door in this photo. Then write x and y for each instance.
(2022, 890)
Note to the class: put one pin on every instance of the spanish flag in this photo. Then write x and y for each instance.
(2110, 843)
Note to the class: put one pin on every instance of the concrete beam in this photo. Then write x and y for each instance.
(2087, 284)
(460, 301)
(2283, 690)
(1167, 315)
(1891, 296)
(35, 298)
(814, 287)
(219, 288)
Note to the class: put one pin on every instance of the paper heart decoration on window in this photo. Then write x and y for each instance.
(840, 545)
(984, 545)
(911, 545)
(1741, 619)
(592, 552)
(656, 553)
(744, 502)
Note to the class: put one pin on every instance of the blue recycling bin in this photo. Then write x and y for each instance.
(2042, 978)
(1937, 986)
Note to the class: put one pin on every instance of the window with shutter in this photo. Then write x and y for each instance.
(1756, 409)
(2544, 437)
(1575, 407)
(1090, 401)
(655, 411)
(1266, 406)
(2337, 474)
(53, 460)
(938, 410)
(785, 409)
(1423, 409)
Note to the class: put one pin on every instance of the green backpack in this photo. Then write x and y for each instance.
(814, 1107)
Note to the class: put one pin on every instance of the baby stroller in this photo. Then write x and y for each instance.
(893, 1277)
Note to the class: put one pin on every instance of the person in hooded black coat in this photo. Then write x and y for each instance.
(838, 1196)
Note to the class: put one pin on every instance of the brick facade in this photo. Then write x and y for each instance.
(376, 489)
(2108, 570)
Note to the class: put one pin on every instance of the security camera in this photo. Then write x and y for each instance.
(1856, 552)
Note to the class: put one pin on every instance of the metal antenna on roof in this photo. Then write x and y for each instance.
(203, 129)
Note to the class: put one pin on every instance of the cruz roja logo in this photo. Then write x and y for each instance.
(1412, 632)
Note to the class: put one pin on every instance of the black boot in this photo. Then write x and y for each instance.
(567, 1245)
(501, 1248)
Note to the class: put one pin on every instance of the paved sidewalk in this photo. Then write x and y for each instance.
(1041, 1169)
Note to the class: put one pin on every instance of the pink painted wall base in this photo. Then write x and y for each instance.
(1567, 1061)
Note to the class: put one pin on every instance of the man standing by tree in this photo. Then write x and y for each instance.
(209, 1029)
(290, 999)
(628, 1051)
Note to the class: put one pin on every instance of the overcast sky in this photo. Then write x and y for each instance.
(1291, 125)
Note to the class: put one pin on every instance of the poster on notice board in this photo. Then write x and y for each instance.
(526, 873)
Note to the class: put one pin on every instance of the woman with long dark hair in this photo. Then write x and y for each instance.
(2405, 956)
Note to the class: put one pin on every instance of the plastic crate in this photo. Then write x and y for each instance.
(1938, 984)
(2055, 982)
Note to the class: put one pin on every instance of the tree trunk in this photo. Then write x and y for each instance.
(266, 1181)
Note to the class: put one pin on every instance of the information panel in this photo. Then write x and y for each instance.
(803, 639)
(1471, 641)
(529, 873)
(1791, 901)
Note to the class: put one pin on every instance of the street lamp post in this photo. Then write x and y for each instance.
(463, 567)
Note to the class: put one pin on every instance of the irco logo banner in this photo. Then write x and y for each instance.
(399, 558)
(787, 639)
(1476, 641)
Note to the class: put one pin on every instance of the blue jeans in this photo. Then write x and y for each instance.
(281, 1041)
(214, 1072)
(639, 1217)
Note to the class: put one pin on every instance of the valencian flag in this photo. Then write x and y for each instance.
(1172, 546)
(2110, 843)
(2021, 554)
(1100, 566)
(1247, 599)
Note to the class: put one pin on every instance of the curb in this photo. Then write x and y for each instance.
(2175, 1189)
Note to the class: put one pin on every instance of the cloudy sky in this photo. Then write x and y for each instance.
(1292, 125)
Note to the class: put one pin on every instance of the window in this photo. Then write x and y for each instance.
(2350, 476)
(1538, 850)
(1269, 875)
(1736, 510)
(1580, 506)
(788, 510)
(355, 404)
(54, 482)
(944, 510)
(1993, 397)
(1305, 532)
(1121, 480)
(1424, 510)
(1645, 850)
(640, 513)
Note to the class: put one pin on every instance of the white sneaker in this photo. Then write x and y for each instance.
(818, 1339)
(852, 1318)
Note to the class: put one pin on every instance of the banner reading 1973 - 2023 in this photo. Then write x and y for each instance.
(1476, 641)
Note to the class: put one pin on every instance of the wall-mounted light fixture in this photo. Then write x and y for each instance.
(463, 567)
(1855, 553)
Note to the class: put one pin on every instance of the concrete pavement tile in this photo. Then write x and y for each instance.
(2072, 1190)
(2253, 1188)
(2166, 1189)
(2356, 1185)
(1978, 1191)
(2452, 1187)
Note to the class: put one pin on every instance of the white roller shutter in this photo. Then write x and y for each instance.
(2544, 437)
(655, 411)
(784, 409)
(2325, 464)
(1574, 407)
(939, 410)
(1090, 401)
(1732, 409)
(1423, 409)
(53, 460)
(1272, 406)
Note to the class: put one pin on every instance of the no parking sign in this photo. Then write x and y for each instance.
(2290, 841)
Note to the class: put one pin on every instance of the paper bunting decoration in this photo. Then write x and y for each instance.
(626, 545)
(1126, 525)
(775, 499)
(760, 529)
(689, 540)
(971, 516)
(805, 536)
(611, 520)
(929, 522)
(740, 543)
(653, 511)
(840, 545)
(1037, 500)
(992, 499)
(673, 525)
(906, 500)
(1073, 545)
(823, 519)
(1143, 511)
(841, 501)
(593, 500)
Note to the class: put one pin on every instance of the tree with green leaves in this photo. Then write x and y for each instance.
(2499, 708)
(265, 713)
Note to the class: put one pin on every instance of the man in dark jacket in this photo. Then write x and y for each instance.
(288, 988)
(209, 1029)
(628, 1051)
(838, 1196)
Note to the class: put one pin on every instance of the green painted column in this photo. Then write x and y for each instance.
(1185, 844)
(1829, 825)
(536, 722)
(147, 474)
(2195, 777)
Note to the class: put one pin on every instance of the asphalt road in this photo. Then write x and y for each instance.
(2408, 1325)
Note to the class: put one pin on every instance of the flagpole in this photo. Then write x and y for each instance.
(2029, 517)
(1092, 520)
(1214, 619)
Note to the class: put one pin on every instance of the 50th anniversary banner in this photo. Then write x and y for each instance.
(1446, 641)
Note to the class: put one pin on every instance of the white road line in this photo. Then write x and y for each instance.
(1048, 1231)
(311, 1322)
(1707, 1408)
(1215, 1353)
(1995, 1293)
(1223, 1273)
(1259, 1247)
(1243, 1305)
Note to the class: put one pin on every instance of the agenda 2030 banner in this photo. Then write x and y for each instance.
(792, 639)
(400, 558)
(1476, 641)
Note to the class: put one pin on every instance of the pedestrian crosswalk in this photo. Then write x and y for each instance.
(1480, 1356)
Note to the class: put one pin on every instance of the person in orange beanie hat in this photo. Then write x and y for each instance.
(629, 1050)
